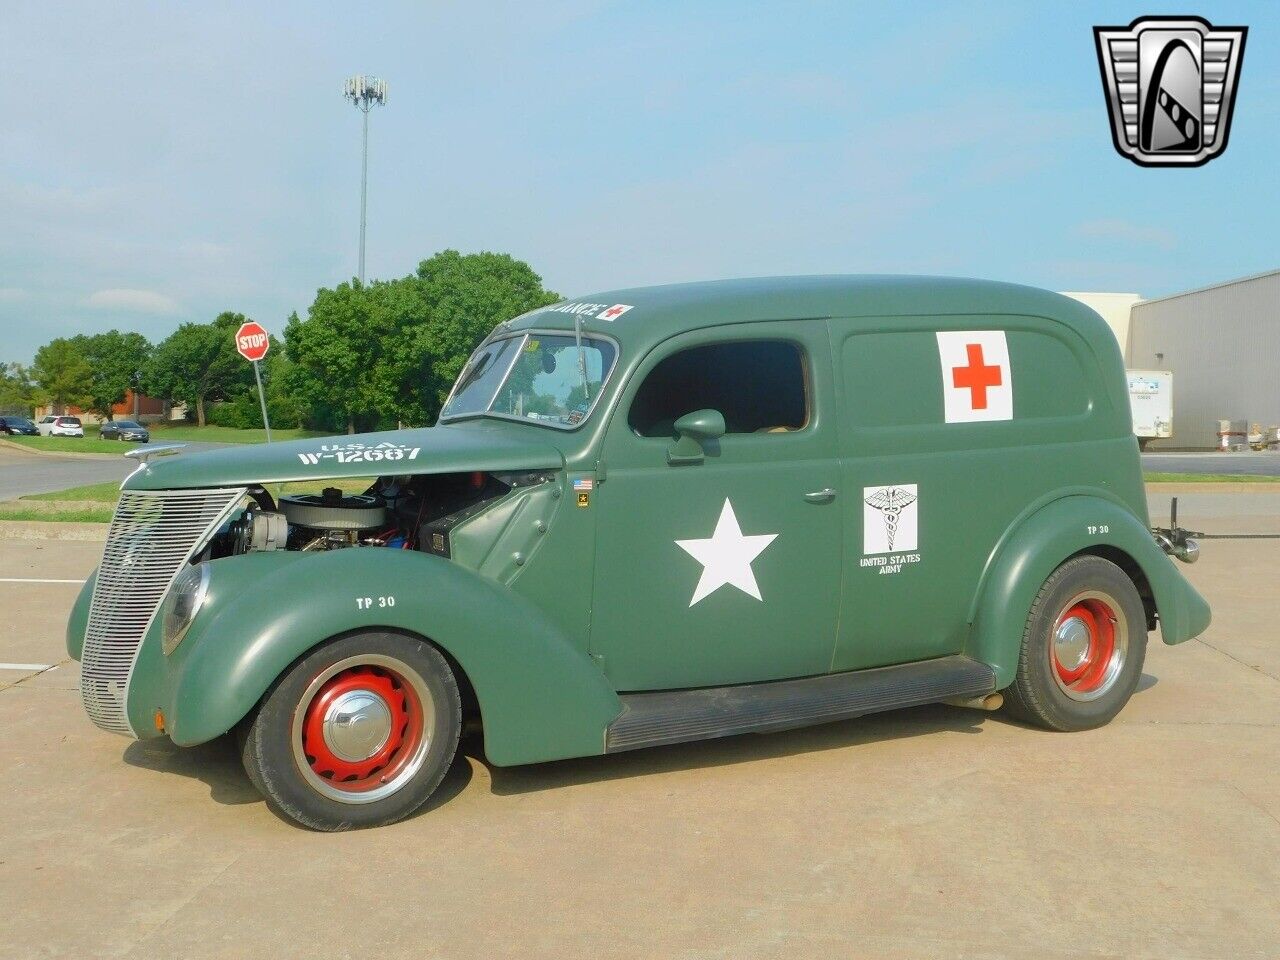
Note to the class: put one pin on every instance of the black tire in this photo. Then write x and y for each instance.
(275, 748)
(1088, 591)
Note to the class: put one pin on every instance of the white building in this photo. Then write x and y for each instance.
(1221, 343)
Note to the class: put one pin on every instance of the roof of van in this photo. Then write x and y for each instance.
(652, 314)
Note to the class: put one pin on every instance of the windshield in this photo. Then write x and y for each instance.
(127, 425)
(69, 421)
(534, 377)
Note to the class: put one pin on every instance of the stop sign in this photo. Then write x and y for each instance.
(251, 341)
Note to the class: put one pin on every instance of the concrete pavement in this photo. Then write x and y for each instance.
(927, 833)
(23, 473)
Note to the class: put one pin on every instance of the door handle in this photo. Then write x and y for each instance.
(825, 495)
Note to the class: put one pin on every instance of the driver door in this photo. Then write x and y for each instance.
(726, 570)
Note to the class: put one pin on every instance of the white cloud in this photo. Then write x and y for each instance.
(1126, 231)
(13, 294)
(145, 301)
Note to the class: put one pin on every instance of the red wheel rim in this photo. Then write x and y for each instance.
(388, 755)
(1083, 645)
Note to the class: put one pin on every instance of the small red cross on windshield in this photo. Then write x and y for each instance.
(976, 377)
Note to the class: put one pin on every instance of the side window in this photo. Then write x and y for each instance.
(1049, 381)
(758, 385)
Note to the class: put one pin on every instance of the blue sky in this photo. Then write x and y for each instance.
(165, 162)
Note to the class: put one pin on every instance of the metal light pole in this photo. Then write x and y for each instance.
(366, 93)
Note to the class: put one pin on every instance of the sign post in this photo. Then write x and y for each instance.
(252, 343)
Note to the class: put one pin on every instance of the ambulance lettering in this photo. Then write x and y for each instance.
(977, 381)
(601, 311)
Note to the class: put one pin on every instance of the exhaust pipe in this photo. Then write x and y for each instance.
(988, 701)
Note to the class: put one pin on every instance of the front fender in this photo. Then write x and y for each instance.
(78, 621)
(541, 698)
(1042, 542)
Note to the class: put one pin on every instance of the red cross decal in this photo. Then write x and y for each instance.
(976, 377)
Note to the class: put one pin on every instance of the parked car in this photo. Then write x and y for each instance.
(60, 427)
(124, 430)
(646, 517)
(18, 427)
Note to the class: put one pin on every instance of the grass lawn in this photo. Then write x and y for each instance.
(160, 433)
(69, 515)
(1207, 478)
(164, 433)
(81, 501)
(108, 492)
(86, 444)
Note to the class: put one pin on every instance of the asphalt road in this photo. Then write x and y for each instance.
(1250, 464)
(22, 473)
(927, 833)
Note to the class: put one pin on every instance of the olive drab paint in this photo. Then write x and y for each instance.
(958, 440)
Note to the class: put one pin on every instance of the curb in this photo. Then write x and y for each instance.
(56, 454)
(53, 530)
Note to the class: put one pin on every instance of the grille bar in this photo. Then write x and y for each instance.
(152, 536)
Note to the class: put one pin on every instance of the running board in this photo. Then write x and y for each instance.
(674, 716)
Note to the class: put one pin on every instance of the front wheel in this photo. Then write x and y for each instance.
(1082, 650)
(358, 733)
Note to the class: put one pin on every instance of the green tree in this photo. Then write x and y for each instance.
(17, 392)
(62, 373)
(338, 350)
(198, 364)
(390, 350)
(117, 360)
(465, 296)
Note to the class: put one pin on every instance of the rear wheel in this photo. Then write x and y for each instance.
(358, 733)
(1082, 650)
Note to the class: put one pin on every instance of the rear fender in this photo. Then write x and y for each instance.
(1039, 544)
(540, 697)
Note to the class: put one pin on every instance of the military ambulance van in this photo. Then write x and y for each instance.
(645, 517)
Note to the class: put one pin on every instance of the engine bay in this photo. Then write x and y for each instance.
(409, 512)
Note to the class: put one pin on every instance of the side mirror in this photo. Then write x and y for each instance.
(695, 431)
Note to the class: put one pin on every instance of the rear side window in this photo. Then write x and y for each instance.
(757, 385)
(893, 378)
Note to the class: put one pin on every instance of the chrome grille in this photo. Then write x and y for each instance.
(152, 536)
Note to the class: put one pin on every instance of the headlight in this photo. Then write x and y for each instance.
(185, 598)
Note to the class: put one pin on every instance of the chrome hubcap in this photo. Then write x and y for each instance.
(1071, 643)
(362, 728)
(1089, 645)
(357, 725)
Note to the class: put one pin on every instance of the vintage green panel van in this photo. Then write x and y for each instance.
(650, 516)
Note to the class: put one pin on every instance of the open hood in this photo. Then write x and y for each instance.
(444, 449)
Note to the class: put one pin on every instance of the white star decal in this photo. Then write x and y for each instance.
(726, 556)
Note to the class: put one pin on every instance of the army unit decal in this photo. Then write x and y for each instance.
(726, 556)
(977, 382)
(890, 528)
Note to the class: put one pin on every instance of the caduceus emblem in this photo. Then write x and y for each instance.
(891, 501)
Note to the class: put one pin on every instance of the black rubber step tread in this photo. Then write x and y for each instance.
(675, 716)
